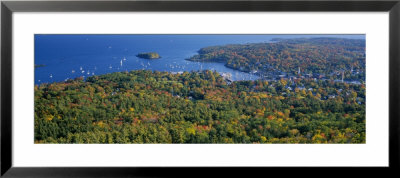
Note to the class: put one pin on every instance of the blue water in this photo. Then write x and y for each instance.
(70, 56)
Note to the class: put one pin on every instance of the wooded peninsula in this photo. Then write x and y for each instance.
(322, 58)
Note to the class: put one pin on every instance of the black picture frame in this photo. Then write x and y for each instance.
(8, 7)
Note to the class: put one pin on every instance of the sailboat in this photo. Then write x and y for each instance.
(121, 63)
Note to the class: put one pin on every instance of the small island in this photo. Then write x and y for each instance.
(150, 55)
(39, 65)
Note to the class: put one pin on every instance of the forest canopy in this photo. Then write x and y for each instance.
(202, 107)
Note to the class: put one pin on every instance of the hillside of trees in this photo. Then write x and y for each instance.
(201, 107)
(325, 56)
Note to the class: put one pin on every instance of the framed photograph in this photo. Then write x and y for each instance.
(137, 88)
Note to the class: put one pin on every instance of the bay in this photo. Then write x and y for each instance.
(62, 57)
